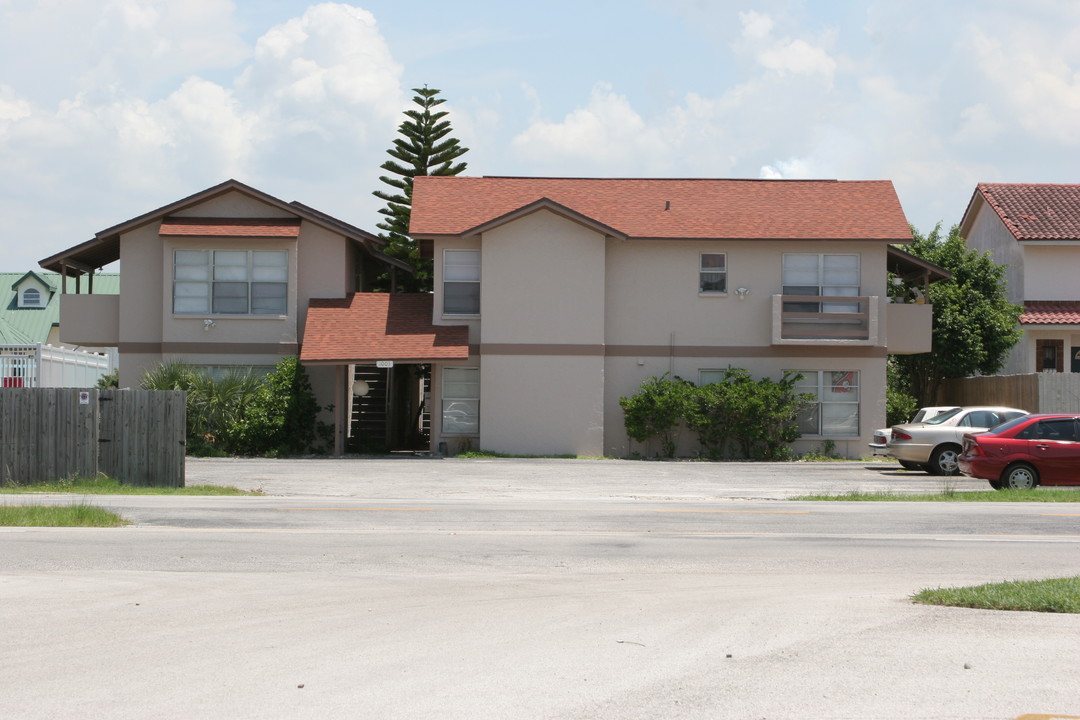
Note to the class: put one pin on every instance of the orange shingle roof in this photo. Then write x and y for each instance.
(365, 327)
(1036, 211)
(231, 227)
(1051, 312)
(653, 208)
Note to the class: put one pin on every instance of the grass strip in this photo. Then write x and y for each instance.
(1057, 595)
(105, 485)
(58, 516)
(1056, 495)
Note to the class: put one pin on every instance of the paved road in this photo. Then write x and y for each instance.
(554, 589)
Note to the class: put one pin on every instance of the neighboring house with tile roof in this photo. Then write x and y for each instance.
(576, 290)
(1034, 229)
(221, 279)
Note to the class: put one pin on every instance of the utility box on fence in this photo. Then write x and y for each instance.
(136, 436)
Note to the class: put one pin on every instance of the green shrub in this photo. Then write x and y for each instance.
(244, 414)
(656, 410)
(281, 417)
(737, 417)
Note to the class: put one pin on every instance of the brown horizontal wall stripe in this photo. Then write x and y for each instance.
(740, 351)
(539, 349)
(210, 348)
(704, 351)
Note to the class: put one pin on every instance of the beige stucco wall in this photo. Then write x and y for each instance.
(1050, 272)
(89, 320)
(543, 405)
(680, 316)
(543, 282)
(909, 327)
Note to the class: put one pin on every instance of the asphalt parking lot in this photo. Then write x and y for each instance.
(419, 477)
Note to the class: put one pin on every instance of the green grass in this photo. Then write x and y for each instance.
(1060, 595)
(104, 485)
(952, 495)
(58, 516)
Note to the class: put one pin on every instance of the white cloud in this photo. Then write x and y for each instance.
(1033, 80)
(606, 134)
(314, 108)
(784, 56)
(11, 106)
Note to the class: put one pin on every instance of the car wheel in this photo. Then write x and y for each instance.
(908, 465)
(943, 460)
(1019, 477)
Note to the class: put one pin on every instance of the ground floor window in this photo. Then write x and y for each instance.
(461, 400)
(220, 372)
(836, 407)
(1049, 355)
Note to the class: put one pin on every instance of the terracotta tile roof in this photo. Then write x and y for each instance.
(365, 327)
(231, 227)
(688, 208)
(1051, 312)
(1036, 211)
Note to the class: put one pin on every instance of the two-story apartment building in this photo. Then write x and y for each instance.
(574, 291)
(221, 280)
(1034, 229)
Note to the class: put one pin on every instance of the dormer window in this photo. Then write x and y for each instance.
(31, 297)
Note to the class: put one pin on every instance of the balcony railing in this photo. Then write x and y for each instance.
(821, 319)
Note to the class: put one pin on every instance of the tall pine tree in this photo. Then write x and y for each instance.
(422, 149)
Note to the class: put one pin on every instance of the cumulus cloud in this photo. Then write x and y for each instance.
(1036, 83)
(784, 56)
(12, 107)
(313, 103)
(606, 133)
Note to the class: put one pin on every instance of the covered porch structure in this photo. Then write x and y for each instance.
(382, 346)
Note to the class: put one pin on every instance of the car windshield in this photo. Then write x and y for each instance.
(938, 419)
(1007, 425)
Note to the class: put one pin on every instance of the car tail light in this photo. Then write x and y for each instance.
(972, 447)
(897, 435)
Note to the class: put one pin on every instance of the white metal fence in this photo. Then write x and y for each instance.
(47, 366)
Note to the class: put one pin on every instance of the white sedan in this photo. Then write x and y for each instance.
(934, 444)
(881, 436)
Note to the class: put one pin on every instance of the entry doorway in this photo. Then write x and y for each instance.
(389, 409)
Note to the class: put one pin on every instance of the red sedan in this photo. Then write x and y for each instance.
(1025, 452)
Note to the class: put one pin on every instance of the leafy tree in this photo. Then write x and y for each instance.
(975, 325)
(422, 149)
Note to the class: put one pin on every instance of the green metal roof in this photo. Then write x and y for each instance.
(26, 326)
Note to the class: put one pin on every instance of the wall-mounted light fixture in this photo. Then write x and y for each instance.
(742, 292)
(207, 324)
(360, 388)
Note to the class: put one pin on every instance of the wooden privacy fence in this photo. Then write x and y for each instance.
(1047, 392)
(136, 436)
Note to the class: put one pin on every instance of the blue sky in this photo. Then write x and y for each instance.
(111, 108)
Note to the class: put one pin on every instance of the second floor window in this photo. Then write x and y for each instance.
(230, 282)
(818, 275)
(461, 282)
(712, 275)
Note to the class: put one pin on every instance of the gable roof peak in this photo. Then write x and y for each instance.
(1032, 211)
